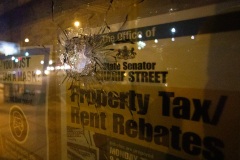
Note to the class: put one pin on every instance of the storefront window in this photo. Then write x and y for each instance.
(119, 79)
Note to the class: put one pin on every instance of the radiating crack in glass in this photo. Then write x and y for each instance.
(84, 51)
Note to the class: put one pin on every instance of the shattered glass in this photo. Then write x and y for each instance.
(85, 50)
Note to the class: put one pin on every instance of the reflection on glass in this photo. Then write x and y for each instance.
(46, 72)
(26, 54)
(173, 30)
(8, 48)
(26, 40)
(50, 62)
(141, 44)
(76, 23)
(38, 72)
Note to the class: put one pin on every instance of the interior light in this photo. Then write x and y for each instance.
(173, 39)
(16, 60)
(192, 37)
(13, 58)
(156, 40)
(42, 62)
(26, 54)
